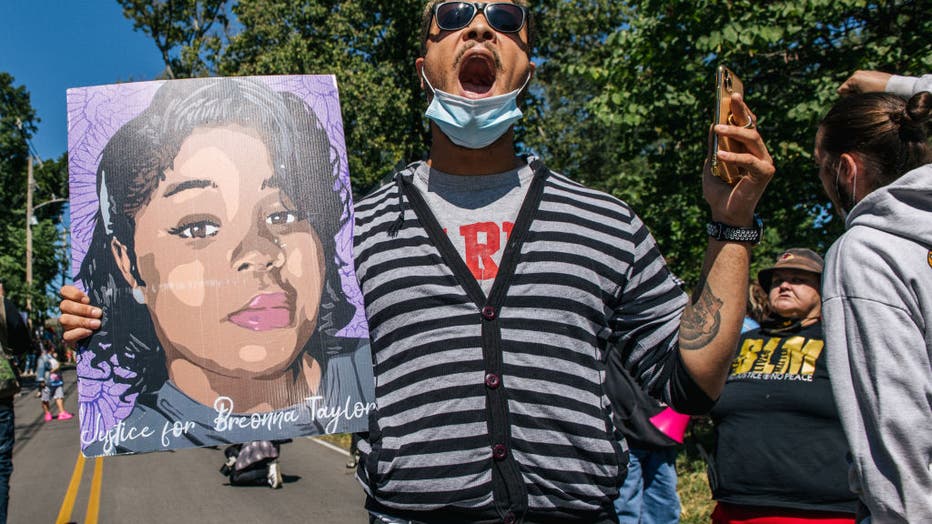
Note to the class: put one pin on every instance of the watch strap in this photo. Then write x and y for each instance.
(727, 233)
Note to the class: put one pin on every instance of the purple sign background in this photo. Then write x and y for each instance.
(94, 116)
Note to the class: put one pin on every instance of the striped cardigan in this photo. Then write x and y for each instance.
(492, 408)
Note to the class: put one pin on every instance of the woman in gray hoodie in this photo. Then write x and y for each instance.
(875, 164)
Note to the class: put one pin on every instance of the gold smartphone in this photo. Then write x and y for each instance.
(726, 83)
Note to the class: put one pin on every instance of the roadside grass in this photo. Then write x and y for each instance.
(341, 440)
(695, 497)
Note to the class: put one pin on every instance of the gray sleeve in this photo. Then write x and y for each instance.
(645, 319)
(907, 86)
(879, 368)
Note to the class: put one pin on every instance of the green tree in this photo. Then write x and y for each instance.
(18, 123)
(559, 123)
(624, 90)
(370, 46)
(640, 82)
(188, 33)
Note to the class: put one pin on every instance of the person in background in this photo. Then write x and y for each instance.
(353, 460)
(14, 341)
(54, 389)
(879, 82)
(42, 367)
(652, 432)
(29, 367)
(254, 463)
(758, 307)
(875, 164)
(780, 450)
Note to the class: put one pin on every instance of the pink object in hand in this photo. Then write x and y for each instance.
(671, 423)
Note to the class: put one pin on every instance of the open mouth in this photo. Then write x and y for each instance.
(477, 76)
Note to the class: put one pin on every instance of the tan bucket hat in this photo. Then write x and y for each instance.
(794, 258)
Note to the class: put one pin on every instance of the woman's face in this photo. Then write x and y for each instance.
(795, 294)
(233, 273)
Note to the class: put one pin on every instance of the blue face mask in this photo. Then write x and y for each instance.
(473, 123)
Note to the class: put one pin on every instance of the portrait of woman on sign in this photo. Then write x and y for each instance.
(212, 222)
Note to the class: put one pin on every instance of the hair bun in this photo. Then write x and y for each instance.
(919, 107)
(915, 116)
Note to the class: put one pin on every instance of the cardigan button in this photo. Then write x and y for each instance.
(492, 380)
(499, 451)
(488, 313)
(509, 518)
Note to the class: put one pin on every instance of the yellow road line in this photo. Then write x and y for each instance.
(93, 502)
(64, 514)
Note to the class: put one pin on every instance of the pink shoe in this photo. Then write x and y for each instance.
(48, 416)
(64, 415)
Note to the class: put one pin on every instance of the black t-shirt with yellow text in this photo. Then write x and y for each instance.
(779, 441)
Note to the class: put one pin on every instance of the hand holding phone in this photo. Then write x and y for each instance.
(726, 83)
(739, 157)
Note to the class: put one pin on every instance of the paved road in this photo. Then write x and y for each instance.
(51, 483)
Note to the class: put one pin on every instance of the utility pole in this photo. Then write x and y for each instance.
(30, 213)
(29, 188)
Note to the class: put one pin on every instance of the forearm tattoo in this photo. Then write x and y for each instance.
(701, 319)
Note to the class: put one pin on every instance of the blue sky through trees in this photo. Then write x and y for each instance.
(51, 45)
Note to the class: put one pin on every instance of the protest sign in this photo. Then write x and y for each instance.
(212, 222)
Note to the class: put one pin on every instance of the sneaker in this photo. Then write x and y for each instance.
(353, 461)
(275, 475)
(64, 415)
(48, 416)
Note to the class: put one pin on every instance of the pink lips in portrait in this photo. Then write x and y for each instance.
(264, 312)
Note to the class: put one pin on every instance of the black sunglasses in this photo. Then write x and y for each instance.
(504, 17)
